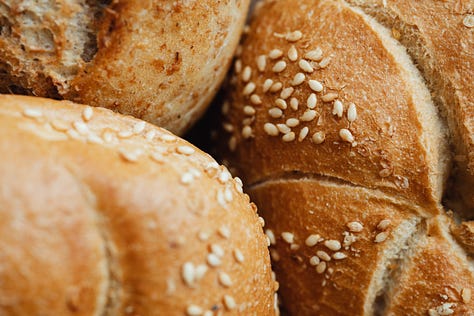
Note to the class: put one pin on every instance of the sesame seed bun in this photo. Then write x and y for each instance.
(162, 61)
(104, 214)
(335, 133)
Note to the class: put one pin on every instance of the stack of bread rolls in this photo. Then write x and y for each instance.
(348, 153)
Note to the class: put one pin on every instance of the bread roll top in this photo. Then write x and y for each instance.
(103, 213)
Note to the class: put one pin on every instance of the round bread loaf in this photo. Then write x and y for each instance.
(341, 146)
(103, 214)
(161, 61)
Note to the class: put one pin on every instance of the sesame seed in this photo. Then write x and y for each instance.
(185, 150)
(229, 302)
(80, 127)
(249, 110)
(323, 255)
(289, 137)
(224, 231)
(466, 295)
(249, 89)
(468, 21)
(346, 135)
(286, 93)
(238, 66)
(283, 128)
(312, 240)
(298, 79)
(276, 87)
(303, 133)
(87, 113)
(311, 101)
(308, 115)
(271, 236)
(292, 53)
(294, 103)
(381, 237)
(315, 85)
(213, 260)
(261, 63)
(314, 55)
(224, 279)
(325, 62)
(270, 129)
(305, 66)
(193, 310)
(288, 237)
(200, 271)
(168, 138)
(125, 134)
(339, 256)
(274, 255)
(224, 176)
(138, 127)
(355, 227)
(246, 74)
(188, 273)
(217, 250)
(208, 313)
(275, 112)
(294, 36)
(333, 245)
(321, 267)
(267, 85)
(281, 103)
(384, 224)
(238, 256)
(203, 236)
(294, 247)
(318, 137)
(60, 125)
(32, 113)
(328, 97)
(255, 99)
(187, 178)
(275, 54)
(385, 173)
(314, 261)
(130, 156)
(279, 66)
(351, 112)
(338, 108)
(246, 132)
(150, 135)
(94, 139)
(292, 122)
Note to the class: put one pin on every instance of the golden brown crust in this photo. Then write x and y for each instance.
(161, 61)
(348, 283)
(392, 140)
(445, 57)
(437, 280)
(167, 224)
(380, 164)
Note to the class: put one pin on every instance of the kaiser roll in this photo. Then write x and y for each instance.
(343, 148)
(103, 214)
(161, 61)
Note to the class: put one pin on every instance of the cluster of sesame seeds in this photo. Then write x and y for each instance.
(284, 105)
(382, 226)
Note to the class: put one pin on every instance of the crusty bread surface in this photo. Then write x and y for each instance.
(344, 147)
(104, 214)
(161, 61)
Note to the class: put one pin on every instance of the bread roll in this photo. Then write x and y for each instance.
(161, 61)
(105, 215)
(344, 151)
